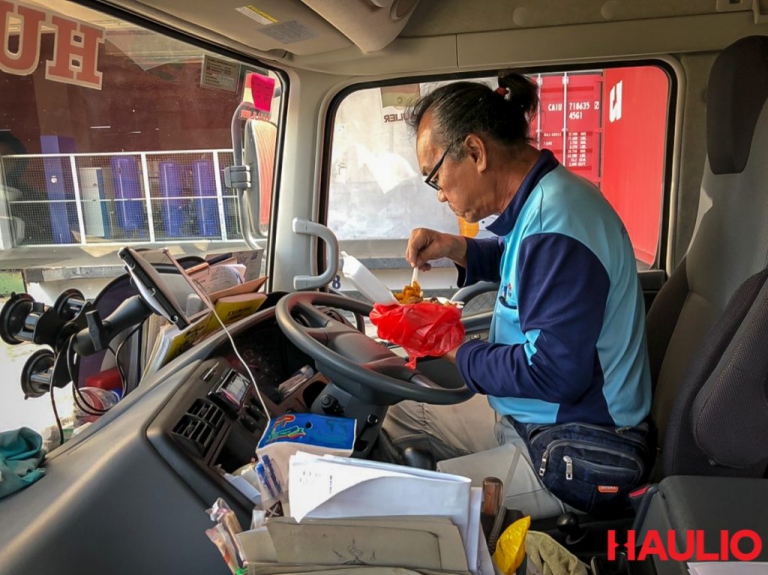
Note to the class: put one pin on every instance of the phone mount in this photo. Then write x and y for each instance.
(153, 290)
(71, 325)
(74, 325)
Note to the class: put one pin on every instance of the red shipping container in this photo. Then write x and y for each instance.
(571, 103)
(550, 121)
(583, 102)
(634, 133)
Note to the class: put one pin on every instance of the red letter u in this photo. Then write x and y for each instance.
(25, 59)
(690, 543)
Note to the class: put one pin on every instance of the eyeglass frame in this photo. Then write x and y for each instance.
(429, 179)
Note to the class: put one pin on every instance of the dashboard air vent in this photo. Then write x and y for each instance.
(199, 426)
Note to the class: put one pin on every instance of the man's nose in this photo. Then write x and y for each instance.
(441, 196)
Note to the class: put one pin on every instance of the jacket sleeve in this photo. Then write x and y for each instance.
(483, 261)
(562, 290)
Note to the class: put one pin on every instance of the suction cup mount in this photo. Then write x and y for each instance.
(13, 318)
(37, 374)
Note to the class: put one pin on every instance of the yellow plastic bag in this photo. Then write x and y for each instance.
(510, 549)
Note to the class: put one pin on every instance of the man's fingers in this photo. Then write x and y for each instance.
(411, 254)
(419, 242)
(425, 267)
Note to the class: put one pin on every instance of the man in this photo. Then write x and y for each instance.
(567, 341)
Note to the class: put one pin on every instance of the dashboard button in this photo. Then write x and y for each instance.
(249, 424)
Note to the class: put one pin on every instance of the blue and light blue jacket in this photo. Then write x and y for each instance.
(567, 339)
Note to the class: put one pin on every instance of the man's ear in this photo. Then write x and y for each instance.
(477, 151)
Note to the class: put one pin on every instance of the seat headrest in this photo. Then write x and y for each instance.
(738, 88)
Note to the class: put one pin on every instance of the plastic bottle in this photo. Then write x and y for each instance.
(96, 398)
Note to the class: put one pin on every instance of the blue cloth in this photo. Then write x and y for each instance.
(567, 338)
(21, 454)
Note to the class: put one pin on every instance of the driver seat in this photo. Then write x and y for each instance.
(708, 326)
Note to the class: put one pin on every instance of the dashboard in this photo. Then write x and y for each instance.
(216, 420)
(128, 495)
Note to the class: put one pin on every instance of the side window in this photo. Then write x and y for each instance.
(124, 143)
(609, 126)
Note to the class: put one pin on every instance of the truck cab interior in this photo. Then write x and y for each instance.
(129, 494)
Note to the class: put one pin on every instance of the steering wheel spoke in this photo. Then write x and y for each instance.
(319, 334)
(390, 366)
(313, 316)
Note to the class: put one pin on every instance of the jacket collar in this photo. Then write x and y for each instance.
(507, 219)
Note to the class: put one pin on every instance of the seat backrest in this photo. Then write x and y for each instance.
(729, 246)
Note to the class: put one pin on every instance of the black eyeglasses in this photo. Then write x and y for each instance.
(430, 180)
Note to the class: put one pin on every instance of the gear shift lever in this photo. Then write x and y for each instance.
(568, 524)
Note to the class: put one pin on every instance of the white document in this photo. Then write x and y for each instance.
(473, 528)
(332, 487)
(486, 566)
(244, 487)
(219, 277)
(728, 568)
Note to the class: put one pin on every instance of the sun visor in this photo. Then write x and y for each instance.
(265, 25)
(370, 24)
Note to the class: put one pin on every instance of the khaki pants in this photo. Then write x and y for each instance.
(470, 439)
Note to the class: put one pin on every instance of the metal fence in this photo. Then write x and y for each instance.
(120, 198)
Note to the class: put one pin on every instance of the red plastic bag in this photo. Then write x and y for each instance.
(422, 329)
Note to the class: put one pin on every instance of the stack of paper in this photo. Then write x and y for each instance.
(386, 518)
(292, 433)
(239, 267)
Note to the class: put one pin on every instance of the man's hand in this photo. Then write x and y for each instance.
(425, 245)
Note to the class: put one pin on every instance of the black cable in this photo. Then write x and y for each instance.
(123, 378)
(81, 403)
(119, 367)
(58, 419)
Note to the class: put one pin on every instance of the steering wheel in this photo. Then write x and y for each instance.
(354, 362)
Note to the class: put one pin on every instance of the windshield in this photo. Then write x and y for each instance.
(113, 135)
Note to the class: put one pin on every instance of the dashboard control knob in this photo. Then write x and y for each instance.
(330, 405)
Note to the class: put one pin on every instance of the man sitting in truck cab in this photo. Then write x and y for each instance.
(567, 342)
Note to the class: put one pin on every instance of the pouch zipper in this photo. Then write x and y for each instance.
(552, 446)
(543, 468)
(568, 467)
(595, 466)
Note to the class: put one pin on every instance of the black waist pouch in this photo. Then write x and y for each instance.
(590, 467)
